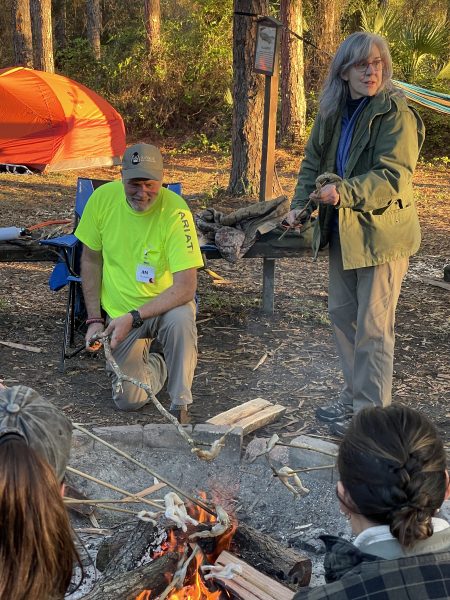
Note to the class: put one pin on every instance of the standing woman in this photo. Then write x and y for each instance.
(37, 552)
(367, 135)
(393, 481)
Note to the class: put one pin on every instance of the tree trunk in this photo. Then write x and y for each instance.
(94, 26)
(41, 25)
(325, 33)
(22, 40)
(60, 20)
(152, 17)
(248, 102)
(293, 101)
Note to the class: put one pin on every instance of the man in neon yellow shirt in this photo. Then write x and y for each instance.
(139, 264)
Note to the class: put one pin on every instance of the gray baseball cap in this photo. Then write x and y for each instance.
(142, 161)
(45, 427)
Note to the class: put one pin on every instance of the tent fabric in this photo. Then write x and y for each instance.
(49, 122)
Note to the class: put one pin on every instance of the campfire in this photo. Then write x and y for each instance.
(199, 548)
(207, 557)
(204, 555)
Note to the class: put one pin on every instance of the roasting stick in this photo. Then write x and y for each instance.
(150, 471)
(121, 377)
(111, 487)
(208, 455)
(117, 509)
(306, 447)
(73, 501)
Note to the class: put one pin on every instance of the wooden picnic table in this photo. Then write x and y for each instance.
(23, 250)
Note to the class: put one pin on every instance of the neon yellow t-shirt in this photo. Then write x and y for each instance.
(141, 250)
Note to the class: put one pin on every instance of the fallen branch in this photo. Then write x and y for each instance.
(21, 346)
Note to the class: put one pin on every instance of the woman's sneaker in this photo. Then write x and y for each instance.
(335, 412)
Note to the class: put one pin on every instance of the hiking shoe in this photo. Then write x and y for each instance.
(335, 412)
(181, 413)
(339, 428)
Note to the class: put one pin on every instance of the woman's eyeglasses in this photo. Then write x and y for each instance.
(363, 65)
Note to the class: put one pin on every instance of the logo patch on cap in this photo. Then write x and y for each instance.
(135, 159)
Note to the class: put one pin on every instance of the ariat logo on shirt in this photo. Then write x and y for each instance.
(187, 231)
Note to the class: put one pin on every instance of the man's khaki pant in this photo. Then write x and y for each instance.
(361, 304)
(177, 332)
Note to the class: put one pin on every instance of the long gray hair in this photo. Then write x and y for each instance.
(353, 49)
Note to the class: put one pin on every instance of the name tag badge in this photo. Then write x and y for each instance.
(145, 274)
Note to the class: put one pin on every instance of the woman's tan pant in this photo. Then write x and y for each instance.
(361, 304)
(177, 332)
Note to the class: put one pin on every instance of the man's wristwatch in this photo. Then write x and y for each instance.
(137, 319)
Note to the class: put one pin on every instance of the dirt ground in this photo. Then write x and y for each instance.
(294, 348)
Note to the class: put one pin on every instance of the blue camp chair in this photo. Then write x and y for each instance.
(67, 271)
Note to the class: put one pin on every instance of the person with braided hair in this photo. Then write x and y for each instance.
(366, 140)
(393, 481)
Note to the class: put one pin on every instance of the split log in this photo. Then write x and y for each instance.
(272, 558)
(250, 415)
(250, 584)
(127, 586)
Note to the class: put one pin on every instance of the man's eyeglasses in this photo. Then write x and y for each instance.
(363, 65)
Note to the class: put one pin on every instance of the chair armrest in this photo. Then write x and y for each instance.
(63, 241)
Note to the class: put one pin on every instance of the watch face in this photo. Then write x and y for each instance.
(137, 319)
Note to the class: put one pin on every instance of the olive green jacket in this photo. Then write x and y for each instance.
(378, 220)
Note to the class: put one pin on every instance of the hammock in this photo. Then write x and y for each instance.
(433, 100)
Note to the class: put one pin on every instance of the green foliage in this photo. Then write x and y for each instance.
(186, 85)
(437, 129)
(200, 142)
(444, 73)
(412, 43)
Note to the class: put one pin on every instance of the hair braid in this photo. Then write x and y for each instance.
(392, 463)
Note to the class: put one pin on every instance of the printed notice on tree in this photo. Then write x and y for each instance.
(265, 49)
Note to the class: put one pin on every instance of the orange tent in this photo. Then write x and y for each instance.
(49, 122)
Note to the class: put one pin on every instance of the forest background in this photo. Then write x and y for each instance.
(180, 73)
(175, 69)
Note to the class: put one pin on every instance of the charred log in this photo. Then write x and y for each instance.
(126, 586)
(284, 564)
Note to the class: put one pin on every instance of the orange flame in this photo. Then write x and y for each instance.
(198, 589)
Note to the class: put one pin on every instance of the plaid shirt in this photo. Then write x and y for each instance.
(421, 577)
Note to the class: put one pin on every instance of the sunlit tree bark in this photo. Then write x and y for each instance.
(248, 101)
(293, 102)
(152, 17)
(21, 26)
(94, 26)
(41, 26)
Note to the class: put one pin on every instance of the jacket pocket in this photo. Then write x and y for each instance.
(394, 232)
